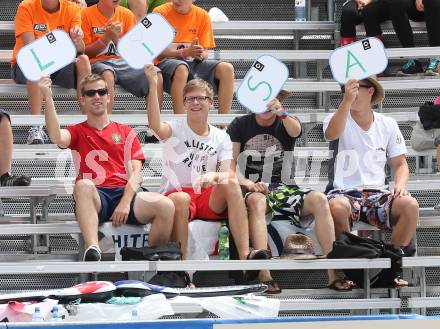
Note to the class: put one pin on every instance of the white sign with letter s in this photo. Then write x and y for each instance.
(262, 83)
(358, 60)
(46, 55)
(146, 40)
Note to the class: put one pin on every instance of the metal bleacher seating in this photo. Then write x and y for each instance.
(30, 227)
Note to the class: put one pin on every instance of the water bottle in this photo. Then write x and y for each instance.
(300, 10)
(134, 315)
(37, 317)
(56, 315)
(223, 242)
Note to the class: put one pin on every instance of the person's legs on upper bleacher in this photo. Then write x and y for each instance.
(432, 17)
(350, 17)
(6, 145)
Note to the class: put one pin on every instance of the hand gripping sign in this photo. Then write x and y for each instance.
(262, 83)
(358, 60)
(146, 40)
(46, 55)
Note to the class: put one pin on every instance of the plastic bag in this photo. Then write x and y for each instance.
(23, 311)
(239, 307)
(150, 308)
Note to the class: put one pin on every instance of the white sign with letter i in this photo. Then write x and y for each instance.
(146, 40)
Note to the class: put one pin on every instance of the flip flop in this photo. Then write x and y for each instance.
(340, 285)
(272, 287)
(252, 275)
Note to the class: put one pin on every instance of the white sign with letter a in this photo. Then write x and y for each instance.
(46, 55)
(358, 60)
(146, 40)
(262, 83)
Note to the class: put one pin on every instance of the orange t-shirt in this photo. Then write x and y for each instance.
(94, 23)
(194, 24)
(31, 17)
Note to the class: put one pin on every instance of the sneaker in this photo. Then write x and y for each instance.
(433, 66)
(36, 135)
(13, 180)
(412, 67)
(92, 254)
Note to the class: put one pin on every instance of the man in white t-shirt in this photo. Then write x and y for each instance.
(198, 171)
(361, 142)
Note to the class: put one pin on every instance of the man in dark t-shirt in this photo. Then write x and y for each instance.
(263, 147)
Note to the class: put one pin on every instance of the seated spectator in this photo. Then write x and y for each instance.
(187, 57)
(104, 24)
(271, 136)
(6, 144)
(48, 15)
(361, 141)
(198, 171)
(108, 186)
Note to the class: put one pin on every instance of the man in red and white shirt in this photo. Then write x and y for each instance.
(109, 158)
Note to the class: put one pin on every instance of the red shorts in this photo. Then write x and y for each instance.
(199, 205)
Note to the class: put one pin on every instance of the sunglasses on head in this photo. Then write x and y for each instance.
(92, 92)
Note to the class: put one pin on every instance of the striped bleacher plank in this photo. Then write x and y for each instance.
(295, 85)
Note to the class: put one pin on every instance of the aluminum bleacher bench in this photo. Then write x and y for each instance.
(216, 119)
(296, 85)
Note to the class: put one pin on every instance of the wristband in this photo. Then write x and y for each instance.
(284, 115)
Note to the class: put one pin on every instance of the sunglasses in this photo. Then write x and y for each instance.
(92, 92)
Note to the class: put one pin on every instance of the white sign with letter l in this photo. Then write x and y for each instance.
(358, 60)
(262, 83)
(46, 55)
(146, 40)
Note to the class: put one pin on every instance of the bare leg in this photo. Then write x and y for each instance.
(316, 204)
(228, 195)
(87, 205)
(181, 202)
(154, 208)
(224, 72)
(6, 144)
(256, 205)
(109, 79)
(34, 97)
(178, 83)
(340, 210)
(405, 212)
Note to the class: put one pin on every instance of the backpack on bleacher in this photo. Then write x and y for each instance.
(352, 246)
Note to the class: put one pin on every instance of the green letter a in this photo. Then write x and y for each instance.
(350, 65)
